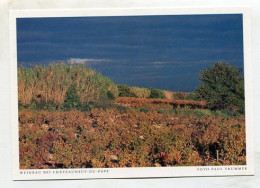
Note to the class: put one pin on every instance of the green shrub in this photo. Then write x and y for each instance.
(72, 99)
(110, 95)
(191, 96)
(222, 87)
(157, 94)
(140, 92)
(124, 91)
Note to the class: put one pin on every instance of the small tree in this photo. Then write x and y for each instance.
(222, 87)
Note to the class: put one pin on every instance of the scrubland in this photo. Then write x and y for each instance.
(73, 117)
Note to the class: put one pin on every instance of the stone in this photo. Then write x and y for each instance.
(45, 126)
(113, 158)
(50, 158)
(141, 137)
(157, 126)
(157, 165)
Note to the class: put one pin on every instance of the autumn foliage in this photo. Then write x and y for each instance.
(125, 132)
(108, 138)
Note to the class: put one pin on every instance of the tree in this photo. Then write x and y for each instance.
(222, 87)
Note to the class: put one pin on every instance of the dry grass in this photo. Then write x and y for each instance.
(168, 94)
(140, 92)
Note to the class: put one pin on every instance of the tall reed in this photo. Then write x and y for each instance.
(50, 83)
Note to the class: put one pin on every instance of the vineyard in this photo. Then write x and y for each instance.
(101, 129)
(108, 138)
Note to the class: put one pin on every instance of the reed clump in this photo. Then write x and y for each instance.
(51, 84)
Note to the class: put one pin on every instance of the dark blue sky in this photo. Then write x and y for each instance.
(165, 52)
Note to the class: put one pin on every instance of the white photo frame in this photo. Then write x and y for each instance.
(140, 172)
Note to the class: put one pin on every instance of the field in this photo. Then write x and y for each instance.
(85, 123)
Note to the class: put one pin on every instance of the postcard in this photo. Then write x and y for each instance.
(131, 93)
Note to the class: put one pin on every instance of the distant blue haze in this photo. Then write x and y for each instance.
(166, 52)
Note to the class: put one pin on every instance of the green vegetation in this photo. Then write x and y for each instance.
(191, 96)
(72, 99)
(141, 92)
(196, 112)
(179, 96)
(157, 94)
(67, 87)
(61, 86)
(124, 91)
(185, 96)
(222, 87)
(137, 92)
(75, 119)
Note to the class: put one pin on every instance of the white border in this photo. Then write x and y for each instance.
(143, 171)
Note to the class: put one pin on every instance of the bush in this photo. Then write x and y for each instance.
(110, 95)
(179, 96)
(72, 99)
(140, 92)
(124, 91)
(223, 87)
(191, 96)
(157, 94)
